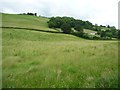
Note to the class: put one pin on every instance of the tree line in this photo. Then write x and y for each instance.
(69, 25)
(29, 13)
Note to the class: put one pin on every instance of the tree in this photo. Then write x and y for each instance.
(35, 14)
(30, 13)
(66, 23)
(119, 34)
(113, 31)
(96, 27)
(52, 23)
(88, 25)
(55, 22)
(79, 29)
(69, 20)
(109, 34)
(102, 34)
(66, 28)
(108, 26)
(99, 32)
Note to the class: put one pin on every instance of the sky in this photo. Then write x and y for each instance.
(101, 12)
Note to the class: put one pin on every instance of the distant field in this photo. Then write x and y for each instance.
(89, 31)
(38, 59)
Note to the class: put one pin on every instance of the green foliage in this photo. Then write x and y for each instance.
(90, 37)
(109, 33)
(102, 34)
(69, 20)
(88, 25)
(56, 22)
(108, 26)
(66, 28)
(113, 31)
(97, 28)
(86, 36)
(119, 34)
(79, 29)
(66, 23)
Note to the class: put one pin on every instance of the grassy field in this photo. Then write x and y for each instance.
(89, 31)
(38, 59)
(25, 21)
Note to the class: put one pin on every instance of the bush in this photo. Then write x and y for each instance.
(96, 38)
(86, 36)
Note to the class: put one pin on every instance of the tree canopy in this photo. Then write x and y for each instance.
(66, 24)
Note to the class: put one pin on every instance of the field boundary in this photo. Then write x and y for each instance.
(32, 29)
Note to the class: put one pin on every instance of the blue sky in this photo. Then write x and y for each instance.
(96, 11)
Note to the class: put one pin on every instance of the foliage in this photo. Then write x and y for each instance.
(56, 22)
(113, 31)
(79, 29)
(66, 23)
(33, 14)
(119, 34)
(66, 28)
(102, 34)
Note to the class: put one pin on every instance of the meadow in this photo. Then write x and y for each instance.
(38, 59)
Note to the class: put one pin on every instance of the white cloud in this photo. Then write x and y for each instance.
(97, 11)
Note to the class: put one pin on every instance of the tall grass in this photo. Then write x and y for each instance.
(42, 60)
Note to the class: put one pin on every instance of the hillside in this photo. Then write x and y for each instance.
(25, 21)
(35, 58)
(29, 22)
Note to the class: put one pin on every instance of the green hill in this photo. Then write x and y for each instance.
(25, 21)
(36, 56)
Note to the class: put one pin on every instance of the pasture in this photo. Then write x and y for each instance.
(38, 59)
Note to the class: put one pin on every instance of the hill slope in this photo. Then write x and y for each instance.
(47, 59)
(25, 21)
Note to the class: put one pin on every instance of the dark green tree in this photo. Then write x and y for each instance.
(55, 22)
(108, 26)
(102, 34)
(119, 34)
(96, 27)
(66, 28)
(79, 29)
(88, 25)
(113, 31)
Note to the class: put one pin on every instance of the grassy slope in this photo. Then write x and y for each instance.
(40, 59)
(25, 21)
